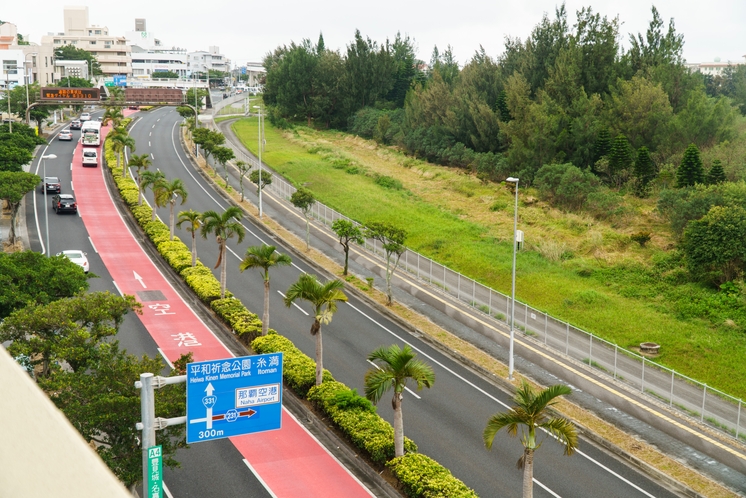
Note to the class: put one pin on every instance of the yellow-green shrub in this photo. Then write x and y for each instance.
(203, 283)
(366, 429)
(245, 324)
(298, 369)
(421, 476)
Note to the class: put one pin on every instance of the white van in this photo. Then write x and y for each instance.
(90, 157)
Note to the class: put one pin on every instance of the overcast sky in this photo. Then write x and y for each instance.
(246, 31)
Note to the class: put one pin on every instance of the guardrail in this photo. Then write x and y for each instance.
(689, 396)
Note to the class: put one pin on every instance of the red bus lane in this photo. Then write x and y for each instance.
(290, 461)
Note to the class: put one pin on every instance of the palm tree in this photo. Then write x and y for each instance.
(120, 141)
(323, 298)
(140, 162)
(153, 179)
(224, 227)
(263, 257)
(112, 115)
(193, 219)
(394, 366)
(531, 412)
(167, 194)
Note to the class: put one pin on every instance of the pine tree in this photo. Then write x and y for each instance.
(620, 158)
(602, 147)
(644, 170)
(716, 174)
(320, 46)
(502, 107)
(690, 171)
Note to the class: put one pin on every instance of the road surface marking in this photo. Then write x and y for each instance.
(94, 247)
(117, 287)
(259, 478)
(301, 309)
(166, 358)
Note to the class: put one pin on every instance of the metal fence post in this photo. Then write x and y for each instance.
(489, 304)
(704, 397)
(474, 291)
(673, 378)
(458, 287)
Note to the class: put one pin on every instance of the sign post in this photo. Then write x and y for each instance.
(233, 396)
(154, 485)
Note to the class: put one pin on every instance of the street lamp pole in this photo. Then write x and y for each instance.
(261, 187)
(512, 298)
(46, 206)
(26, 78)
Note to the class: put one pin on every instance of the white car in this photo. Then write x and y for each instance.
(90, 157)
(86, 116)
(77, 257)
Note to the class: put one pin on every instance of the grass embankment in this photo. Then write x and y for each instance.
(576, 268)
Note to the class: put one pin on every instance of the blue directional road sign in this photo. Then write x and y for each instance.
(233, 396)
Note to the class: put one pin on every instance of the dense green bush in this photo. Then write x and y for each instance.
(298, 369)
(142, 214)
(157, 231)
(203, 283)
(176, 253)
(422, 476)
(245, 324)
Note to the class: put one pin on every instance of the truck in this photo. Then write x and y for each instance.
(90, 133)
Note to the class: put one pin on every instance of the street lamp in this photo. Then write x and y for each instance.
(46, 206)
(259, 126)
(512, 298)
(26, 78)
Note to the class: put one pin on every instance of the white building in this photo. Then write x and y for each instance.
(150, 56)
(201, 61)
(37, 61)
(112, 52)
(715, 68)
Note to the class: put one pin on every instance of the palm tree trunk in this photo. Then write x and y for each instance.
(319, 354)
(398, 426)
(152, 216)
(172, 202)
(223, 272)
(528, 473)
(194, 249)
(139, 193)
(265, 315)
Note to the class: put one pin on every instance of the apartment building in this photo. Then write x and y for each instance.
(201, 61)
(112, 52)
(150, 56)
(32, 60)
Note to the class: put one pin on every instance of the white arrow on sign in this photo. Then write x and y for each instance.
(139, 278)
(209, 390)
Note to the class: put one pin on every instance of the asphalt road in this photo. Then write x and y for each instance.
(213, 468)
(445, 421)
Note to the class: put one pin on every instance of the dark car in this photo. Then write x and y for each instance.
(75, 124)
(64, 203)
(133, 107)
(51, 184)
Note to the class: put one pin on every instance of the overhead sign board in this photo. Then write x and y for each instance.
(154, 95)
(62, 93)
(233, 396)
(154, 485)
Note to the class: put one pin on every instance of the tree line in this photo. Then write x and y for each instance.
(557, 96)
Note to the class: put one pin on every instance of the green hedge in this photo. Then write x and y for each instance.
(245, 324)
(366, 429)
(176, 253)
(421, 476)
(203, 283)
(298, 369)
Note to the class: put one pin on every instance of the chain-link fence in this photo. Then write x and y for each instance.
(698, 400)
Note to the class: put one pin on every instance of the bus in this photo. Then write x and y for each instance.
(90, 133)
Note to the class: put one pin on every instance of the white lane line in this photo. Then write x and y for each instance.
(259, 478)
(71, 167)
(166, 358)
(301, 309)
(149, 146)
(157, 121)
(150, 133)
(36, 211)
(547, 489)
(408, 389)
(154, 124)
(94, 247)
(71, 186)
(118, 289)
(166, 490)
(152, 156)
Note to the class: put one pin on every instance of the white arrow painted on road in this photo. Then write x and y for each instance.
(139, 279)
